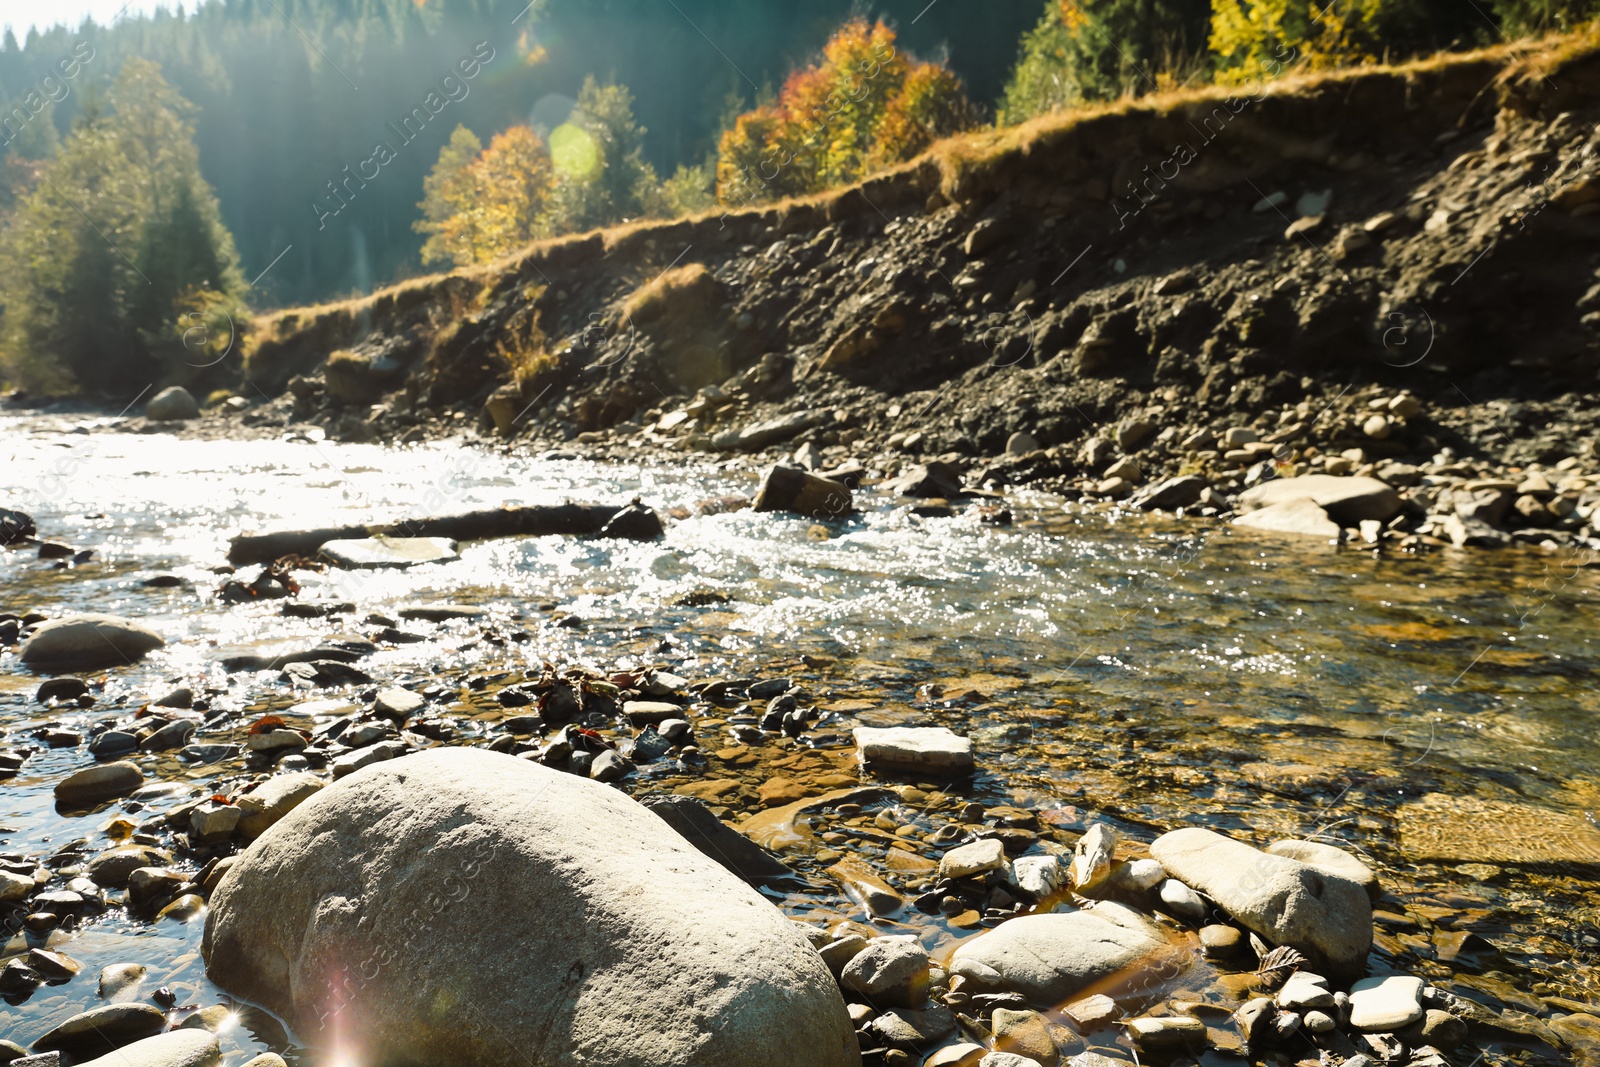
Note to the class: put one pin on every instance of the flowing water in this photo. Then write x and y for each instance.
(1436, 714)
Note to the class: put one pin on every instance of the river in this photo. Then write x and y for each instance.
(1148, 672)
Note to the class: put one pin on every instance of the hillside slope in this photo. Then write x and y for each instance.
(1284, 258)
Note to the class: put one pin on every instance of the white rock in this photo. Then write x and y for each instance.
(1184, 902)
(1007, 1059)
(1288, 903)
(1380, 1005)
(370, 553)
(172, 404)
(212, 821)
(1144, 874)
(914, 748)
(1346, 500)
(574, 920)
(88, 642)
(1304, 990)
(396, 703)
(272, 800)
(1329, 859)
(176, 1048)
(1301, 518)
(1039, 876)
(1050, 958)
(974, 858)
(353, 761)
(275, 741)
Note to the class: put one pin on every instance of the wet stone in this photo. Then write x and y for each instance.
(930, 749)
(975, 858)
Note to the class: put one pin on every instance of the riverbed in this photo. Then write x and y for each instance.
(1434, 714)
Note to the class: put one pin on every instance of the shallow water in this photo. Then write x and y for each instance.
(1146, 671)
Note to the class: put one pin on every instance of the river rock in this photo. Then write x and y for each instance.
(397, 704)
(1303, 518)
(889, 972)
(1050, 958)
(1180, 492)
(88, 642)
(177, 1048)
(15, 526)
(803, 493)
(1325, 916)
(1383, 1005)
(373, 553)
(649, 951)
(99, 783)
(934, 479)
(102, 1030)
(759, 436)
(1024, 1033)
(914, 748)
(272, 800)
(14, 887)
(172, 404)
(1021, 443)
(113, 867)
(1347, 500)
(977, 857)
(119, 980)
(1330, 860)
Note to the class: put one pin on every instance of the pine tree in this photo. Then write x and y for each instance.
(107, 262)
(603, 177)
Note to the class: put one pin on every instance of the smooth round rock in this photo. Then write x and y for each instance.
(99, 783)
(576, 924)
(1050, 958)
(88, 642)
(100, 1030)
(172, 404)
(1285, 901)
(1331, 860)
(178, 1048)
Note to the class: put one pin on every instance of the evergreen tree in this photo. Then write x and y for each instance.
(599, 159)
(107, 263)
(1090, 50)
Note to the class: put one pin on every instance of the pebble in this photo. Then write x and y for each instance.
(120, 981)
(1025, 1034)
(351, 762)
(1303, 990)
(1385, 1004)
(1318, 1022)
(1218, 940)
(1184, 902)
(1167, 1032)
(397, 704)
(889, 971)
(1094, 1011)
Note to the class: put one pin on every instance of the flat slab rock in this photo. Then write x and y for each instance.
(914, 748)
(371, 553)
(1285, 901)
(1052, 958)
(1382, 1005)
(1347, 500)
(578, 926)
(1298, 518)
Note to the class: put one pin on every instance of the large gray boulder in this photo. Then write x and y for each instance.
(1288, 902)
(1347, 500)
(1052, 958)
(88, 642)
(466, 907)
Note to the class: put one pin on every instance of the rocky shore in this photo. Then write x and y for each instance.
(362, 874)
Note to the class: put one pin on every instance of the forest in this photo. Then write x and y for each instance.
(170, 171)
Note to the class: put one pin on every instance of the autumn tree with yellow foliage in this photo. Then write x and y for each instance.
(862, 106)
(481, 203)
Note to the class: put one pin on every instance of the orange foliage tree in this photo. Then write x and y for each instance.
(861, 107)
(479, 207)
